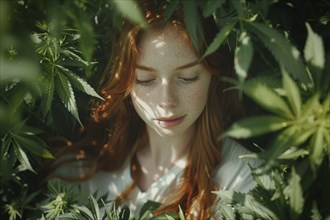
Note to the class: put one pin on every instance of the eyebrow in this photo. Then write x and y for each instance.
(185, 66)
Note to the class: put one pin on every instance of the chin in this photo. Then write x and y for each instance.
(171, 132)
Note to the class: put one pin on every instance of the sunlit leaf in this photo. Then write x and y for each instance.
(253, 18)
(131, 11)
(315, 212)
(264, 180)
(181, 215)
(109, 213)
(285, 53)
(226, 211)
(193, 22)
(292, 93)
(65, 92)
(12, 211)
(326, 135)
(220, 38)
(72, 55)
(314, 50)
(325, 114)
(326, 105)
(94, 207)
(310, 105)
(293, 153)
(294, 192)
(254, 126)
(317, 146)
(68, 216)
(168, 217)
(266, 98)
(247, 204)
(23, 158)
(86, 212)
(243, 55)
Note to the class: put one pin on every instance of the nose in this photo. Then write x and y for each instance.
(168, 96)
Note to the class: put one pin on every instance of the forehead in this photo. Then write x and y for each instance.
(168, 45)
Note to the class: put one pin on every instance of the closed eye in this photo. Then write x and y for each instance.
(187, 79)
(144, 82)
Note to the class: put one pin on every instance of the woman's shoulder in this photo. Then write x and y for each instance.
(234, 173)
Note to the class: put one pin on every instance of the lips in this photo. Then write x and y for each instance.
(170, 121)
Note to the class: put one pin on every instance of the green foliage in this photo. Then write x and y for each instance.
(65, 202)
(40, 58)
(243, 55)
(52, 54)
(130, 10)
(285, 53)
(21, 139)
(297, 122)
(220, 38)
(193, 23)
(58, 54)
(61, 199)
(300, 117)
(148, 208)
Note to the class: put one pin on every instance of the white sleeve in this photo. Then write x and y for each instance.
(234, 173)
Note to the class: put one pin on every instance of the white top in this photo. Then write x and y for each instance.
(232, 174)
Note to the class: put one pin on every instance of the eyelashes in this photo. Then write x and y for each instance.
(144, 82)
(181, 79)
(187, 79)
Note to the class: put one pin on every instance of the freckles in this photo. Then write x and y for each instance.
(198, 94)
(196, 99)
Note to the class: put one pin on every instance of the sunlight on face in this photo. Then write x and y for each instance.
(159, 44)
(171, 87)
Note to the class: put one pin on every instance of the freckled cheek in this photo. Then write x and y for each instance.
(198, 95)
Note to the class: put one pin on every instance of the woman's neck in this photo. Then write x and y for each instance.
(168, 149)
(161, 154)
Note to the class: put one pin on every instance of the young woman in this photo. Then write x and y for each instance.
(156, 133)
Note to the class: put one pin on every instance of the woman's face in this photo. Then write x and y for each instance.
(171, 88)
